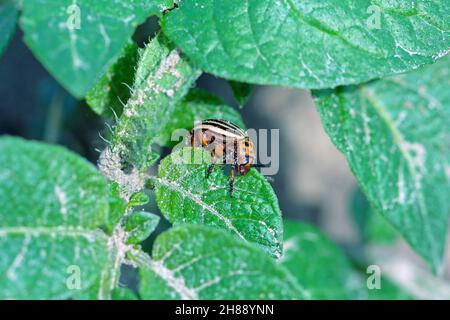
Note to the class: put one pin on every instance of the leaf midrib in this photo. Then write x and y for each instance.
(399, 141)
(320, 27)
(398, 137)
(189, 195)
(51, 231)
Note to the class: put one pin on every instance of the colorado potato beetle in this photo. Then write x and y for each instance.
(227, 143)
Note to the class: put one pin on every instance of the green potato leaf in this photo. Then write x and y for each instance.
(394, 133)
(185, 195)
(372, 227)
(388, 291)
(8, 17)
(123, 294)
(318, 264)
(113, 89)
(138, 199)
(139, 225)
(322, 267)
(241, 91)
(199, 262)
(162, 78)
(78, 41)
(51, 204)
(309, 43)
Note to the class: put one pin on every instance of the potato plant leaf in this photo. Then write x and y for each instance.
(78, 41)
(241, 91)
(162, 78)
(394, 133)
(184, 195)
(197, 105)
(199, 262)
(123, 294)
(8, 17)
(138, 199)
(113, 89)
(52, 202)
(372, 227)
(140, 225)
(388, 291)
(319, 264)
(322, 267)
(310, 43)
(117, 206)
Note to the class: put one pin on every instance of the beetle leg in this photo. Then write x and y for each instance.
(224, 152)
(210, 169)
(235, 155)
(211, 165)
(233, 168)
